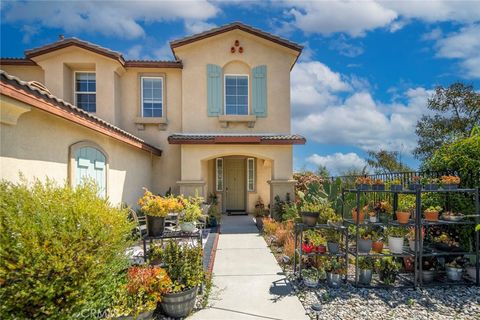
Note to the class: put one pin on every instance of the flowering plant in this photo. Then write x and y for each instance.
(364, 180)
(450, 180)
(153, 205)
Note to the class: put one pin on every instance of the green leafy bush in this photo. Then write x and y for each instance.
(62, 250)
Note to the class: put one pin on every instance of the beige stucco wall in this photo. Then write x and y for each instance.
(38, 146)
(27, 73)
(216, 50)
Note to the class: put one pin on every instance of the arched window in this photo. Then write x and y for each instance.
(89, 162)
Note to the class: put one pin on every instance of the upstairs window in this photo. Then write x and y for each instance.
(152, 97)
(85, 91)
(236, 94)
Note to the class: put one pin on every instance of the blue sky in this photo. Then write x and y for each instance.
(361, 83)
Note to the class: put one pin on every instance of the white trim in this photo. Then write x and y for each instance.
(141, 94)
(217, 160)
(75, 92)
(225, 93)
(253, 174)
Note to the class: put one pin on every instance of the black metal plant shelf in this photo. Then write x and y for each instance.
(423, 250)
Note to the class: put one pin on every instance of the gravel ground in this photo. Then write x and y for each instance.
(348, 302)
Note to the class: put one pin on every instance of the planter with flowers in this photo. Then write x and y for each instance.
(310, 277)
(156, 208)
(383, 210)
(430, 184)
(364, 183)
(431, 213)
(310, 212)
(446, 242)
(405, 208)
(361, 216)
(415, 183)
(138, 298)
(396, 185)
(450, 182)
(396, 236)
(184, 265)
(378, 185)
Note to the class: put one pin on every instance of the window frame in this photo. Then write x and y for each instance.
(75, 92)
(217, 160)
(225, 93)
(253, 160)
(162, 95)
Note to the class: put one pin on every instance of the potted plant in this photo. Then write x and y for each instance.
(307, 247)
(415, 183)
(378, 185)
(156, 208)
(363, 183)
(190, 214)
(396, 238)
(361, 216)
(310, 213)
(138, 298)
(377, 243)
(259, 213)
(428, 270)
(452, 216)
(454, 270)
(450, 182)
(365, 241)
(404, 209)
(383, 210)
(333, 238)
(317, 241)
(310, 277)
(430, 184)
(365, 270)
(387, 269)
(335, 269)
(431, 213)
(445, 242)
(185, 267)
(411, 238)
(396, 185)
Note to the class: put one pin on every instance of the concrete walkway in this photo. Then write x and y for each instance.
(248, 283)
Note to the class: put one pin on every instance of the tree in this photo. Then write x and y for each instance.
(385, 161)
(323, 172)
(461, 156)
(456, 110)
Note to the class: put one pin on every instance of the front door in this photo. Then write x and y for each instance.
(235, 187)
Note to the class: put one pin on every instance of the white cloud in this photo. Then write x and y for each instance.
(314, 85)
(324, 114)
(193, 27)
(346, 48)
(355, 18)
(111, 18)
(434, 34)
(338, 163)
(135, 52)
(352, 17)
(465, 46)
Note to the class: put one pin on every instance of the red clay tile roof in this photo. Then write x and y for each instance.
(232, 26)
(221, 138)
(33, 95)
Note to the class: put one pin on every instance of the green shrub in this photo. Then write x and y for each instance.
(62, 250)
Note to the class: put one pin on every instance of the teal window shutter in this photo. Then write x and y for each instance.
(259, 91)
(214, 90)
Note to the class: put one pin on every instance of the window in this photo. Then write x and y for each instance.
(152, 97)
(219, 174)
(85, 91)
(250, 174)
(236, 94)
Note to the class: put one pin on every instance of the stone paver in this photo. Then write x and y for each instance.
(248, 283)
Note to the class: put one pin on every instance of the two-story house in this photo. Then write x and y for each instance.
(214, 121)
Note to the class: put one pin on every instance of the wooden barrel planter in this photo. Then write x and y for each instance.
(179, 305)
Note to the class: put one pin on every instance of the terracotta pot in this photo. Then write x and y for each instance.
(377, 246)
(402, 217)
(431, 215)
(361, 216)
